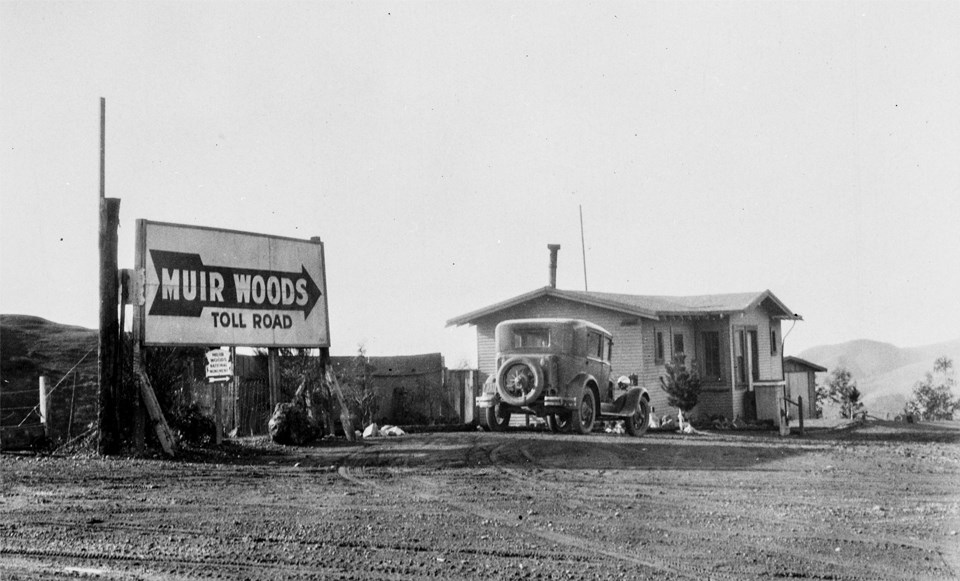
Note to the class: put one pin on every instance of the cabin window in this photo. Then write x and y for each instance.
(711, 354)
(739, 349)
(773, 341)
(678, 345)
(658, 347)
(531, 338)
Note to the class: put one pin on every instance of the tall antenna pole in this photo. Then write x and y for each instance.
(103, 147)
(583, 246)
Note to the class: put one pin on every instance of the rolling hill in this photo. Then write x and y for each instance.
(66, 355)
(885, 373)
(31, 346)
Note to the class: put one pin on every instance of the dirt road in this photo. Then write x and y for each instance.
(878, 502)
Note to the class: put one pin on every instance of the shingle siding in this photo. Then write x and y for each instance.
(770, 365)
(714, 403)
(486, 349)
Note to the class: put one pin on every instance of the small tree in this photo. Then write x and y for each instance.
(822, 395)
(841, 389)
(358, 387)
(681, 384)
(933, 396)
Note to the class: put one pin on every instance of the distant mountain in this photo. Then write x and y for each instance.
(885, 373)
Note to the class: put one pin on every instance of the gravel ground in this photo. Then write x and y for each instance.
(880, 501)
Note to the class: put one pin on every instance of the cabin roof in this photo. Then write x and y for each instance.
(803, 363)
(646, 306)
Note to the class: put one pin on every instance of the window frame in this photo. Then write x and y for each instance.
(595, 345)
(659, 350)
(678, 348)
(520, 333)
(717, 358)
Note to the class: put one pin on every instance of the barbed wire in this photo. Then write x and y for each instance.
(54, 388)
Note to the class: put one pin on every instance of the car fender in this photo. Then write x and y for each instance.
(628, 400)
(578, 383)
(490, 385)
(626, 403)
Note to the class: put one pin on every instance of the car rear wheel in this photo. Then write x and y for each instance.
(496, 418)
(558, 423)
(583, 418)
(638, 423)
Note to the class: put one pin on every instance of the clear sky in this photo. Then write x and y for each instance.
(808, 148)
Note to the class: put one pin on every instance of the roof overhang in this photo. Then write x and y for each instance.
(473, 317)
(804, 363)
(765, 300)
(775, 306)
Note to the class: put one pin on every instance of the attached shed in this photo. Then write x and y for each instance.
(800, 376)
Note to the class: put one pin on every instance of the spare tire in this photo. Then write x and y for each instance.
(520, 381)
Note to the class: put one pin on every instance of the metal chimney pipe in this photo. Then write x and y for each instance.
(554, 248)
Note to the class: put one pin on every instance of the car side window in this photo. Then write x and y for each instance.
(595, 345)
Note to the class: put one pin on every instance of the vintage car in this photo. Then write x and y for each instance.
(559, 370)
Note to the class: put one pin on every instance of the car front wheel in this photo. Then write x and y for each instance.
(583, 418)
(638, 423)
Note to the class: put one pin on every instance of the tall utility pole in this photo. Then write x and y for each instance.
(583, 246)
(108, 352)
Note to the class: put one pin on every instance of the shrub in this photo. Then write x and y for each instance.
(933, 396)
(192, 425)
(681, 384)
(841, 388)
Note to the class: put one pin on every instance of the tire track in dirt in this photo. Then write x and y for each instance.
(760, 542)
(181, 567)
(586, 547)
(686, 569)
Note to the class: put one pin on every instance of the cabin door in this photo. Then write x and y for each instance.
(797, 387)
(747, 357)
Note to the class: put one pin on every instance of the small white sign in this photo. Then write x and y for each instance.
(219, 366)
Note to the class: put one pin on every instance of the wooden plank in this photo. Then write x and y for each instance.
(345, 418)
(164, 434)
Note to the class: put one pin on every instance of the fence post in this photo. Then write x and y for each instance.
(43, 405)
(784, 422)
(273, 376)
(800, 412)
(218, 412)
(235, 381)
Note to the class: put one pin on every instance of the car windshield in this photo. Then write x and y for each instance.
(531, 338)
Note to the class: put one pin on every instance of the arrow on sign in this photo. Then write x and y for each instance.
(187, 286)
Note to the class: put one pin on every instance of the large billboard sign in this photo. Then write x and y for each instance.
(204, 286)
